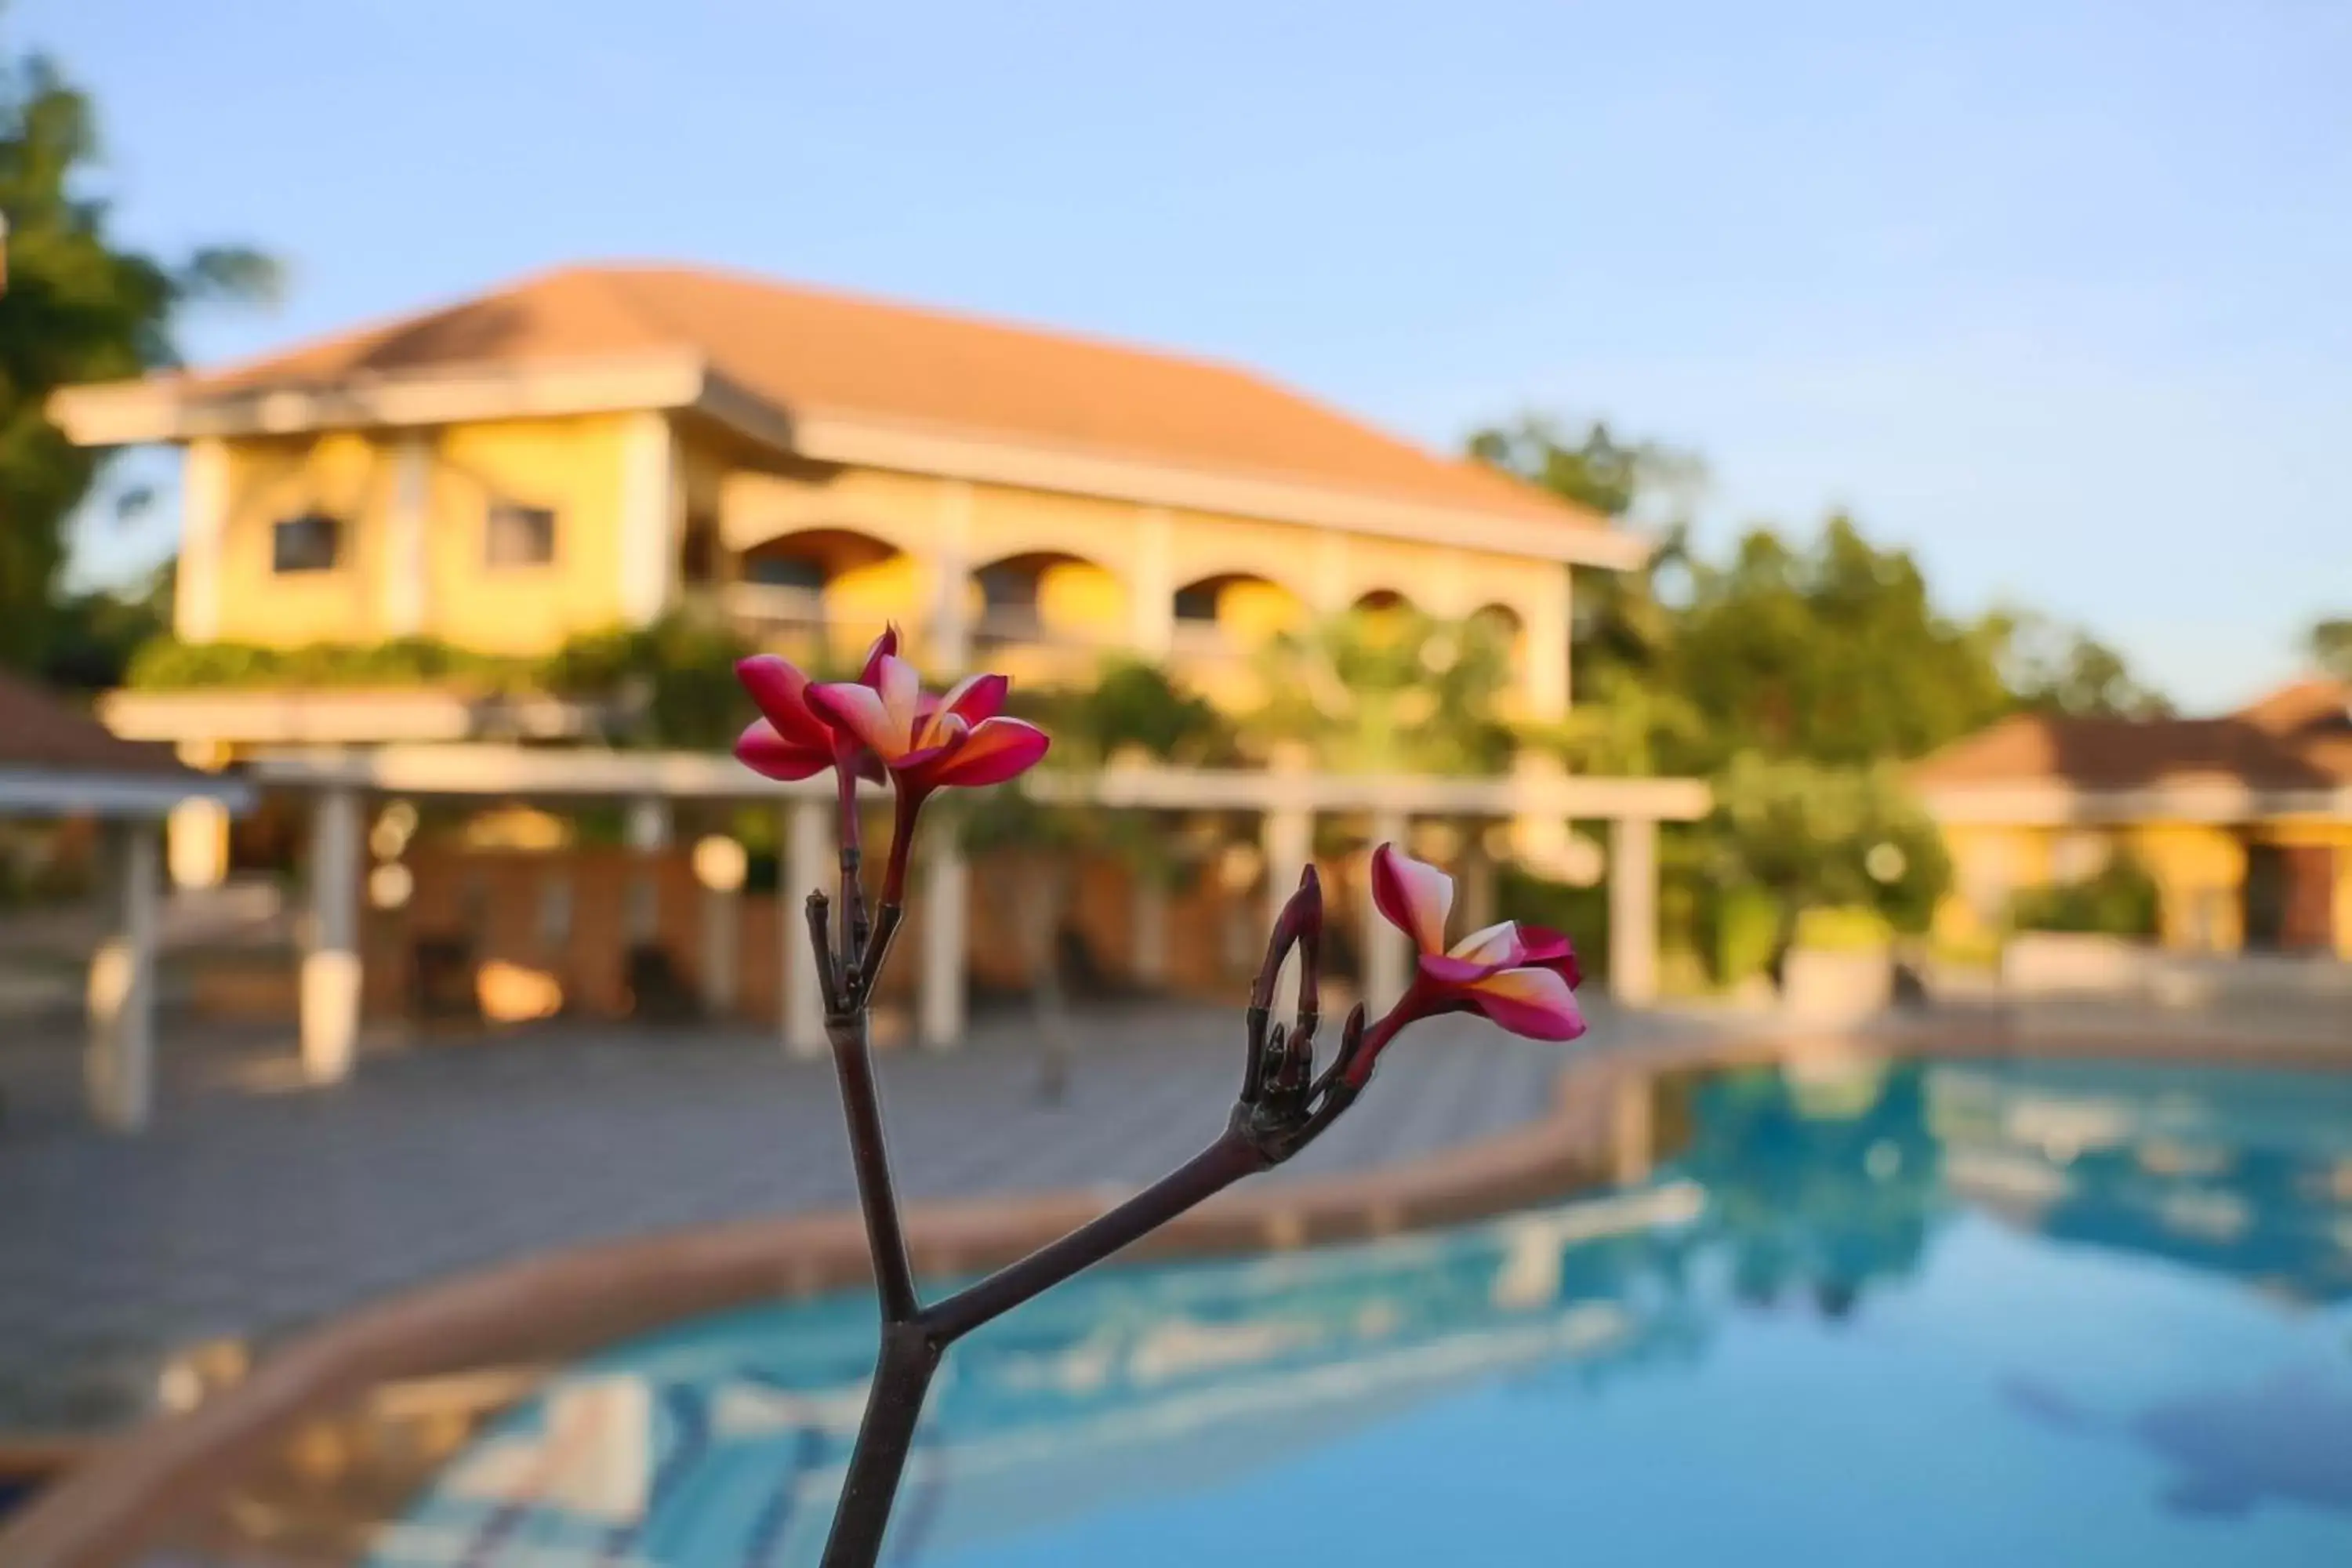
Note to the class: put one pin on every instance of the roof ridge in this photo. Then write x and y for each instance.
(894, 304)
(612, 280)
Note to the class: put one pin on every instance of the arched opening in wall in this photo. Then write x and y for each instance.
(1507, 630)
(808, 591)
(1384, 615)
(1047, 596)
(1232, 612)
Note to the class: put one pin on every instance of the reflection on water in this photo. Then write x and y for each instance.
(2085, 1312)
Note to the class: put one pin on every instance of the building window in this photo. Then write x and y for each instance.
(308, 541)
(516, 535)
(698, 554)
(1197, 602)
(1008, 595)
(785, 572)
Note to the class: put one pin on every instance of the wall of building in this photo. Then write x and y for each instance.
(1107, 572)
(2200, 870)
(446, 588)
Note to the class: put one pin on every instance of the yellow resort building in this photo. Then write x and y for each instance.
(2244, 822)
(598, 446)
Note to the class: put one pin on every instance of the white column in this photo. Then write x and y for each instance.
(1148, 921)
(1546, 645)
(1387, 951)
(649, 533)
(1152, 586)
(950, 631)
(203, 526)
(939, 996)
(404, 543)
(1633, 911)
(1287, 843)
(118, 1067)
(196, 844)
(331, 970)
(1334, 584)
(809, 861)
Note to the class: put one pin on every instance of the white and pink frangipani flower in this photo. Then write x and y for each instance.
(960, 739)
(792, 741)
(1521, 976)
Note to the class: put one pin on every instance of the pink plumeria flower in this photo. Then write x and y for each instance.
(790, 739)
(959, 740)
(1523, 977)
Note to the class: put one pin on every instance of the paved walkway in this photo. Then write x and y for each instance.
(255, 1205)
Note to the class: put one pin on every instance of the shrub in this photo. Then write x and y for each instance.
(2122, 899)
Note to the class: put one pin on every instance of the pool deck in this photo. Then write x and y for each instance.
(255, 1206)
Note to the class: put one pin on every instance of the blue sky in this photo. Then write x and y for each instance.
(2058, 294)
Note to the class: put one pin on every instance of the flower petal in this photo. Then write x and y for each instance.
(1454, 973)
(1535, 1003)
(859, 712)
(885, 646)
(1415, 896)
(764, 750)
(995, 751)
(779, 691)
(1543, 948)
(967, 702)
(1498, 944)
(901, 690)
(976, 697)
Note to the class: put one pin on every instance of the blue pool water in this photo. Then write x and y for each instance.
(1961, 1313)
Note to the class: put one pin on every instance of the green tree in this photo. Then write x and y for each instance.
(1829, 837)
(1390, 691)
(2055, 668)
(2329, 643)
(1833, 652)
(78, 306)
(1598, 471)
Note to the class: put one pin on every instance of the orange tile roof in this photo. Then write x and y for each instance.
(2299, 736)
(809, 351)
(39, 732)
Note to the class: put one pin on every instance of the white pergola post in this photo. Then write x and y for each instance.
(649, 829)
(1633, 911)
(1386, 949)
(718, 870)
(119, 1067)
(940, 991)
(331, 970)
(1287, 845)
(1474, 887)
(1148, 935)
(808, 863)
(196, 844)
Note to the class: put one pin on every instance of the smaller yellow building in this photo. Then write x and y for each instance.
(2244, 821)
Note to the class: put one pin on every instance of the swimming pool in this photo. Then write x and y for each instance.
(1917, 1314)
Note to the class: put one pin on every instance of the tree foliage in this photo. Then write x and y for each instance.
(2063, 670)
(1797, 674)
(79, 306)
(1816, 836)
(1390, 691)
(2329, 644)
